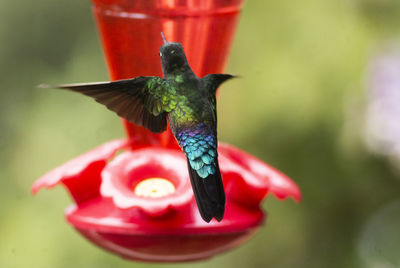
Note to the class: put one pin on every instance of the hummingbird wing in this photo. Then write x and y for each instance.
(144, 100)
(213, 81)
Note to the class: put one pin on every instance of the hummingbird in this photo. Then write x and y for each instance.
(189, 104)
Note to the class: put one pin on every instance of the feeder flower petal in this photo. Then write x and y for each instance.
(81, 175)
(124, 174)
(248, 179)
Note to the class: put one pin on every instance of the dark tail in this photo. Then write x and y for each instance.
(209, 194)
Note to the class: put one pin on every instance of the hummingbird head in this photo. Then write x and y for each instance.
(173, 58)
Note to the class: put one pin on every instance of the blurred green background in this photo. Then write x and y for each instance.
(298, 106)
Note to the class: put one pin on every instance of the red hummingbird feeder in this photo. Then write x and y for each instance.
(139, 204)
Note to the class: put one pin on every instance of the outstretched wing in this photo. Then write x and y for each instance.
(211, 83)
(144, 100)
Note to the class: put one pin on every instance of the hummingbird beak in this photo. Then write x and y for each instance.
(163, 38)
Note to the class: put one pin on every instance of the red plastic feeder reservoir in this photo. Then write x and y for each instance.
(140, 204)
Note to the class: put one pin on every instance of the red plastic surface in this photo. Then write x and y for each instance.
(167, 248)
(169, 228)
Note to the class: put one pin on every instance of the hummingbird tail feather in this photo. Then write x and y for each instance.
(199, 143)
(209, 194)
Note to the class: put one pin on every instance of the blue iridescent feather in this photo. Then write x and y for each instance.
(200, 146)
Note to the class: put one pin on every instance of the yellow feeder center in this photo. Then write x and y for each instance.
(154, 187)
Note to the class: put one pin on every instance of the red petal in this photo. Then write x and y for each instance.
(129, 168)
(81, 175)
(248, 179)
